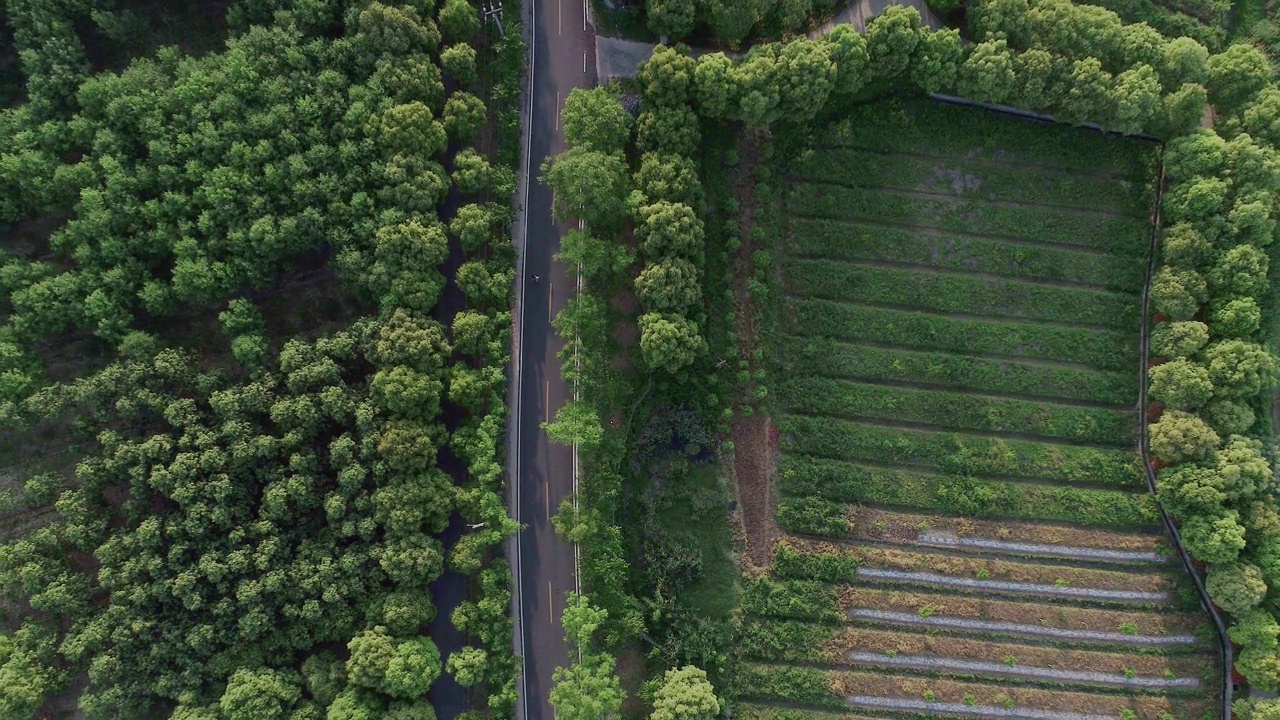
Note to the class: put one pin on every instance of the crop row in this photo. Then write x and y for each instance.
(806, 480)
(971, 133)
(960, 411)
(858, 168)
(945, 292)
(807, 642)
(1101, 349)
(829, 358)
(842, 240)
(959, 454)
(1121, 235)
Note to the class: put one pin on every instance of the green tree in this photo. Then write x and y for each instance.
(587, 690)
(1040, 77)
(892, 39)
(732, 20)
(464, 114)
(1235, 587)
(1001, 20)
(669, 229)
(685, 694)
(848, 50)
(1236, 75)
(1090, 97)
(261, 694)
(1184, 61)
(669, 129)
(589, 185)
(716, 89)
(576, 423)
(669, 342)
(1214, 538)
(1241, 270)
(937, 63)
(471, 171)
(468, 665)
(1250, 220)
(411, 130)
(459, 61)
(1259, 657)
(1240, 369)
(1229, 417)
(673, 178)
(595, 119)
(591, 256)
(1235, 318)
(1180, 111)
(806, 76)
(1177, 293)
(1179, 436)
(670, 285)
(1180, 384)
(672, 19)
(1137, 98)
(459, 20)
(1179, 339)
(393, 32)
(667, 77)
(1185, 247)
(987, 74)
(476, 225)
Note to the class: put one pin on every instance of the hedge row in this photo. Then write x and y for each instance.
(813, 516)
(941, 292)
(799, 599)
(960, 411)
(787, 640)
(829, 358)
(1124, 235)
(1100, 349)
(789, 683)
(832, 567)
(963, 495)
(959, 454)
(840, 240)
(854, 167)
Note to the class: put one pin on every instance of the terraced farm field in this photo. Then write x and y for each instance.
(967, 532)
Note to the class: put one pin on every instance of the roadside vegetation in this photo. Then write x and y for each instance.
(939, 319)
(254, 340)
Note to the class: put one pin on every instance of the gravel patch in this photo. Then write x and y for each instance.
(1077, 553)
(911, 704)
(1020, 628)
(924, 662)
(1009, 587)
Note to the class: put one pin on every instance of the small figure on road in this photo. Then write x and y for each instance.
(536, 278)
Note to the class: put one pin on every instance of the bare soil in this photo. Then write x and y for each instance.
(755, 458)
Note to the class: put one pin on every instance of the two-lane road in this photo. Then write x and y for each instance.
(561, 58)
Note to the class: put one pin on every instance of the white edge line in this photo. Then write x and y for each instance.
(523, 709)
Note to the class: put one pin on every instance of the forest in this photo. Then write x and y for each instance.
(256, 278)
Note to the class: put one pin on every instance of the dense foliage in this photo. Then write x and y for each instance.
(242, 459)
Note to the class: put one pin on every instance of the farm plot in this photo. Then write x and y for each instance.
(967, 530)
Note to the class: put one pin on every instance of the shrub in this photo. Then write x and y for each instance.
(813, 516)
(1180, 384)
(1179, 436)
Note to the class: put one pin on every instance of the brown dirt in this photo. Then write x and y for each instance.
(631, 672)
(755, 458)
(1029, 613)
(943, 690)
(906, 642)
(876, 524)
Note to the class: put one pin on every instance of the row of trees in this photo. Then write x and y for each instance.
(261, 516)
(1209, 291)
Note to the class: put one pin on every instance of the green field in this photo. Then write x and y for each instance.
(966, 529)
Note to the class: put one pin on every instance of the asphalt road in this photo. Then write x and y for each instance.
(561, 58)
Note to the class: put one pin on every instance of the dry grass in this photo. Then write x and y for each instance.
(956, 691)
(904, 527)
(1027, 613)
(906, 642)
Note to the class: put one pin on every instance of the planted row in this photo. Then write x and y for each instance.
(950, 131)
(853, 167)
(960, 454)
(829, 358)
(1101, 349)
(836, 480)
(841, 240)
(960, 411)
(1123, 235)
(942, 292)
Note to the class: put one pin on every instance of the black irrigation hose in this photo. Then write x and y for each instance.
(1224, 640)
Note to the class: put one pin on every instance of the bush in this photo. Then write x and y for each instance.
(813, 516)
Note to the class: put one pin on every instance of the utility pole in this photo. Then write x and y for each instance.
(492, 10)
